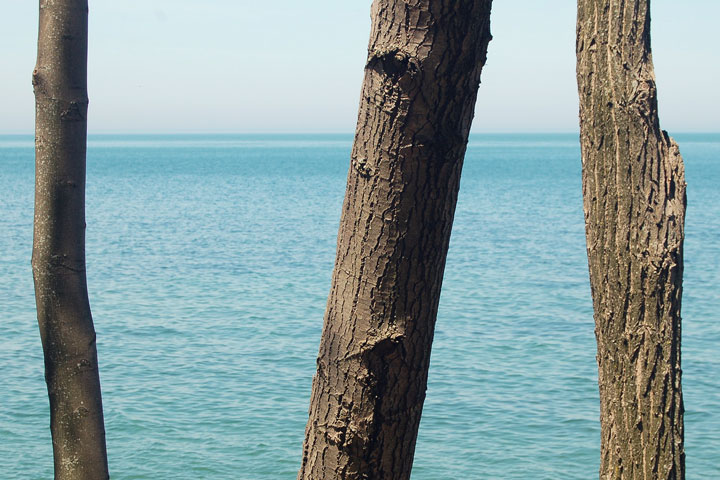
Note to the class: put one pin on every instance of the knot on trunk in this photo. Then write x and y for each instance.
(393, 62)
(361, 165)
(74, 112)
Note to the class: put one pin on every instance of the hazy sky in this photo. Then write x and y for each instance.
(160, 66)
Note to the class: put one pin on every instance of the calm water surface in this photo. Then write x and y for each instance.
(209, 262)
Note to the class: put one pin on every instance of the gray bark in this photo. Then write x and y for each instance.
(634, 201)
(58, 259)
(417, 104)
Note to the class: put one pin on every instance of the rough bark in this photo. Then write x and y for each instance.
(634, 201)
(58, 259)
(417, 103)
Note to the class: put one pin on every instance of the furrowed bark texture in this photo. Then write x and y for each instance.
(634, 201)
(417, 103)
(66, 326)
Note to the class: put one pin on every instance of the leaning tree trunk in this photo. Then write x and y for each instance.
(66, 326)
(634, 199)
(417, 103)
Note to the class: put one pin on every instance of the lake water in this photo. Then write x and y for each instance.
(209, 263)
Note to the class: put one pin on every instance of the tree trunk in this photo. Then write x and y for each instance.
(66, 326)
(417, 103)
(634, 201)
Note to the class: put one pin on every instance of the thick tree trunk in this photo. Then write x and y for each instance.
(417, 104)
(634, 199)
(66, 326)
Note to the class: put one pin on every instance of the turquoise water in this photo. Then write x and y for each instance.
(209, 262)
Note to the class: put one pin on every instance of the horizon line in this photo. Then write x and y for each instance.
(174, 133)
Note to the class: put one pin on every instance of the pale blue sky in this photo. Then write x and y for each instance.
(163, 66)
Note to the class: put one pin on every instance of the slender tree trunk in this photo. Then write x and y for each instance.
(66, 326)
(634, 200)
(417, 103)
